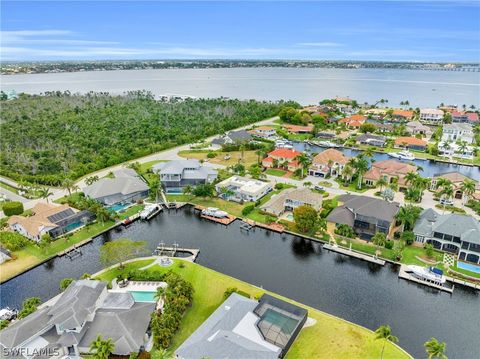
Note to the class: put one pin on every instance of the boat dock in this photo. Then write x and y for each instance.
(275, 227)
(225, 220)
(71, 252)
(352, 253)
(166, 251)
(154, 213)
(402, 273)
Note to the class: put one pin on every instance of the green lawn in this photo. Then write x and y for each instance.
(330, 337)
(352, 186)
(411, 252)
(275, 172)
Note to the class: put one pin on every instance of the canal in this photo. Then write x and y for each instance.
(294, 267)
(429, 167)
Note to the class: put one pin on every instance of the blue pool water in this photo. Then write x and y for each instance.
(73, 226)
(117, 207)
(143, 296)
(468, 266)
(286, 324)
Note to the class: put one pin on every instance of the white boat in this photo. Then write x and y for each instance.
(148, 210)
(8, 314)
(327, 144)
(283, 144)
(429, 274)
(403, 155)
(214, 212)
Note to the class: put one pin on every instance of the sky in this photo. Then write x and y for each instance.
(426, 31)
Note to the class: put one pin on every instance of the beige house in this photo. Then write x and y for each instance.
(391, 170)
(457, 180)
(330, 162)
(292, 198)
(433, 116)
(417, 128)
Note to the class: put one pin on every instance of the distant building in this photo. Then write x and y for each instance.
(245, 328)
(54, 219)
(330, 162)
(454, 233)
(178, 174)
(291, 198)
(354, 121)
(126, 186)
(412, 143)
(432, 116)
(402, 115)
(82, 312)
(366, 215)
(233, 137)
(371, 140)
(457, 180)
(263, 132)
(241, 189)
(417, 128)
(391, 170)
(465, 117)
(458, 132)
(298, 129)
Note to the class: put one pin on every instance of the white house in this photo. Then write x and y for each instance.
(431, 115)
(239, 189)
(457, 132)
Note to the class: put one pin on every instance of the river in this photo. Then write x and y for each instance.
(428, 168)
(305, 85)
(363, 293)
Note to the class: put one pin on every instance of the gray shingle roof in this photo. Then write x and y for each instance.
(189, 169)
(364, 206)
(126, 182)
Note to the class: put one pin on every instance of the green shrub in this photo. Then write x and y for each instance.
(248, 209)
(389, 244)
(279, 186)
(345, 231)
(29, 305)
(408, 237)
(3, 324)
(12, 240)
(65, 282)
(211, 155)
(229, 291)
(13, 208)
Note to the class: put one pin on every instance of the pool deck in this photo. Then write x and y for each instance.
(352, 253)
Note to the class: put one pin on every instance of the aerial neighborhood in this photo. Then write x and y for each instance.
(377, 183)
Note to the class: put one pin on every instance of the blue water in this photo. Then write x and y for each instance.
(286, 323)
(469, 267)
(73, 226)
(117, 207)
(143, 296)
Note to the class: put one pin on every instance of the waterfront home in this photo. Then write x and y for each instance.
(417, 128)
(454, 233)
(298, 129)
(177, 174)
(70, 323)
(432, 116)
(49, 218)
(457, 180)
(330, 162)
(457, 132)
(291, 198)
(411, 143)
(263, 132)
(376, 113)
(454, 149)
(233, 137)
(366, 215)
(5, 255)
(282, 157)
(465, 117)
(329, 135)
(245, 328)
(240, 189)
(354, 121)
(391, 170)
(371, 140)
(125, 186)
(402, 115)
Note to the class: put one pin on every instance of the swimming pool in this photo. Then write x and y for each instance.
(117, 207)
(139, 296)
(470, 267)
(286, 324)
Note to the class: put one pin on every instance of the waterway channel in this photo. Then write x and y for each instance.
(292, 266)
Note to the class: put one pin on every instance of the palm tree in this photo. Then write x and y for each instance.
(407, 216)
(160, 293)
(435, 349)
(384, 332)
(162, 354)
(303, 161)
(242, 152)
(468, 188)
(382, 182)
(360, 164)
(260, 154)
(187, 189)
(101, 349)
(68, 185)
(347, 173)
(368, 152)
(446, 193)
(410, 177)
(44, 192)
(155, 188)
(91, 180)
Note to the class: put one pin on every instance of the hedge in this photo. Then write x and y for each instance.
(12, 208)
(12, 240)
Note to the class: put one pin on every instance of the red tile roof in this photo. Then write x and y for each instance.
(403, 113)
(296, 128)
(410, 141)
(284, 153)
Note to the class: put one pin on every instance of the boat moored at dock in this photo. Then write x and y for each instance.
(428, 274)
(214, 212)
(402, 155)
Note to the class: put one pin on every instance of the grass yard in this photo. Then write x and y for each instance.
(275, 172)
(352, 186)
(411, 252)
(330, 337)
(249, 157)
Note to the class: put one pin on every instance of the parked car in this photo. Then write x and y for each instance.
(319, 188)
(446, 202)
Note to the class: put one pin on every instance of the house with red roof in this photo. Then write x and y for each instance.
(282, 157)
(412, 143)
(354, 121)
(402, 115)
(298, 129)
(465, 117)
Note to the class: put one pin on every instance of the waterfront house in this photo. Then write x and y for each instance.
(454, 149)
(240, 189)
(431, 115)
(371, 140)
(465, 117)
(354, 121)
(126, 186)
(298, 129)
(418, 128)
(328, 135)
(245, 328)
(402, 115)
(457, 132)
(454, 233)
(391, 170)
(366, 215)
(177, 174)
(291, 198)
(457, 180)
(411, 143)
(233, 137)
(54, 219)
(330, 162)
(70, 323)
(282, 157)
(263, 132)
